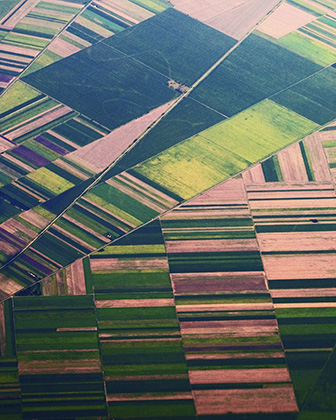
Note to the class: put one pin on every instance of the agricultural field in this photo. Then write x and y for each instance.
(234, 18)
(101, 19)
(292, 200)
(227, 320)
(130, 79)
(167, 210)
(215, 154)
(185, 120)
(28, 29)
(253, 72)
(58, 359)
(141, 348)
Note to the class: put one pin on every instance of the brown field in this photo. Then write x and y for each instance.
(222, 356)
(238, 21)
(62, 48)
(218, 245)
(266, 400)
(317, 157)
(304, 292)
(104, 151)
(71, 169)
(231, 191)
(102, 264)
(43, 119)
(293, 204)
(34, 218)
(17, 161)
(134, 303)
(5, 145)
(75, 278)
(302, 266)
(232, 17)
(8, 287)
(196, 283)
(225, 307)
(235, 328)
(254, 175)
(148, 397)
(233, 376)
(292, 164)
(14, 227)
(284, 20)
(306, 305)
(297, 241)
(44, 367)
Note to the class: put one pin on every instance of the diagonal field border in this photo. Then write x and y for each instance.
(176, 102)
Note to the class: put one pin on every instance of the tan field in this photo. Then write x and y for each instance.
(254, 175)
(302, 266)
(219, 245)
(44, 118)
(134, 303)
(75, 278)
(297, 241)
(284, 20)
(104, 151)
(317, 157)
(292, 164)
(233, 376)
(266, 400)
(232, 17)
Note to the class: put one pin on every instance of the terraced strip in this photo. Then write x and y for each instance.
(58, 357)
(10, 392)
(101, 19)
(256, 126)
(227, 320)
(294, 222)
(142, 355)
(30, 28)
(91, 223)
(320, 401)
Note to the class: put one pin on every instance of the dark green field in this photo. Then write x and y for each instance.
(314, 98)
(257, 69)
(110, 81)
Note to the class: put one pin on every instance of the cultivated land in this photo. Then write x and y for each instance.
(167, 214)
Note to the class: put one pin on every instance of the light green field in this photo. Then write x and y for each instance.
(260, 130)
(192, 166)
(133, 249)
(156, 6)
(309, 48)
(29, 42)
(41, 150)
(226, 149)
(58, 7)
(16, 95)
(50, 180)
(43, 60)
(113, 209)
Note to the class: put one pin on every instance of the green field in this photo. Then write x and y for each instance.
(314, 98)
(16, 96)
(255, 70)
(225, 149)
